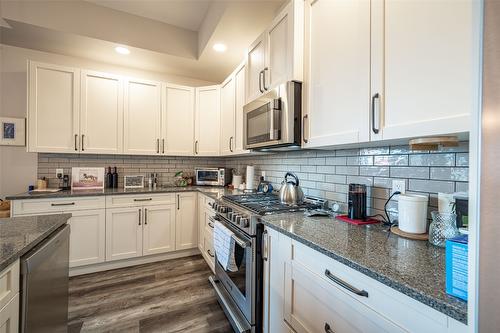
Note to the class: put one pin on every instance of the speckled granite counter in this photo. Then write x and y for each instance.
(214, 191)
(18, 235)
(414, 268)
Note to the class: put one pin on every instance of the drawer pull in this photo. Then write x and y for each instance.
(211, 225)
(345, 285)
(62, 204)
(148, 199)
(328, 329)
(210, 253)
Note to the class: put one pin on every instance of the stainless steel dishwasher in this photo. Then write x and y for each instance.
(44, 285)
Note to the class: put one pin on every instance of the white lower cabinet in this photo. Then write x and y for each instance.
(201, 221)
(186, 229)
(87, 240)
(9, 316)
(206, 230)
(123, 233)
(9, 298)
(158, 230)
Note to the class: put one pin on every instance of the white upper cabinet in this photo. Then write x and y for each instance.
(240, 101)
(338, 72)
(227, 93)
(142, 119)
(277, 55)
(101, 115)
(207, 121)
(178, 121)
(428, 64)
(53, 108)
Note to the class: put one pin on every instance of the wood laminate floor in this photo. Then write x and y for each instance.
(167, 296)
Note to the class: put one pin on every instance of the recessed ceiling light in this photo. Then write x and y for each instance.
(122, 50)
(219, 47)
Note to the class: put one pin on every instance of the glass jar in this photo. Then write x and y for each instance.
(443, 227)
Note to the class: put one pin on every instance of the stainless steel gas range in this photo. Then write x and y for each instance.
(240, 293)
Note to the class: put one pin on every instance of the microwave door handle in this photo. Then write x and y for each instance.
(271, 125)
(274, 114)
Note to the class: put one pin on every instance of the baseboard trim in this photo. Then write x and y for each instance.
(105, 266)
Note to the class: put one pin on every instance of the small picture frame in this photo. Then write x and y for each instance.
(12, 131)
(87, 178)
(133, 181)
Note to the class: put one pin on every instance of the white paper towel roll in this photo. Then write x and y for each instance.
(250, 177)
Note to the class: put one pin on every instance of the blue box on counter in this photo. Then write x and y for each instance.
(457, 266)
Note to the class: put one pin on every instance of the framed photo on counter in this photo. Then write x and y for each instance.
(87, 178)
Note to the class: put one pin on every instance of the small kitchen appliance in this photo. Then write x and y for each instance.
(212, 176)
(290, 191)
(357, 202)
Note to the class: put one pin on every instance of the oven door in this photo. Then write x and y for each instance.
(262, 121)
(207, 177)
(241, 285)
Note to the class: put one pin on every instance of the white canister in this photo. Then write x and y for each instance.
(412, 213)
(237, 181)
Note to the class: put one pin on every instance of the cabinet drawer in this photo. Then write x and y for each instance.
(118, 201)
(313, 305)
(209, 221)
(9, 316)
(38, 206)
(9, 283)
(209, 244)
(209, 201)
(380, 298)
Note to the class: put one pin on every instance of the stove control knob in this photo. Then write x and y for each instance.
(215, 206)
(223, 209)
(234, 218)
(230, 215)
(244, 222)
(238, 219)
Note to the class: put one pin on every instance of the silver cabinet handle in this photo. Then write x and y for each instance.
(231, 144)
(345, 285)
(76, 145)
(260, 81)
(62, 204)
(83, 138)
(178, 202)
(163, 146)
(140, 214)
(210, 253)
(157, 146)
(265, 245)
(328, 329)
(145, 216)
(196, 147)
(147, 199)
(375, 129)
(304, 128)
(264, 80)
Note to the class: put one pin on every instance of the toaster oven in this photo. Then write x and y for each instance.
(212, 176)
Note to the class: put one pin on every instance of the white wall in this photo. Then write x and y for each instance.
(18, 168)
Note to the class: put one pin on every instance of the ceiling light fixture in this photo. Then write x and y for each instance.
(122, 50)
(219, 47)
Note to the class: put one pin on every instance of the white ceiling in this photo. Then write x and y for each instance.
(167, 36)
(187, 14)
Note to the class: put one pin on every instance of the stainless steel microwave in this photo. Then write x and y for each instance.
(212, 176)
(273, 120)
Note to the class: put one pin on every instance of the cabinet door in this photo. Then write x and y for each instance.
(87, 242)
(123, 233)
(178, 121)
(431, 55)
(142, 117)
(312, 304)
(201, 221)
(240, 101)
(186, 226)
(256, 62)
(9, 316)
(53, 108)
(159, 229)
(337, 101)
(101, 116)
(279, 49)
(207, 121)
(227, 116)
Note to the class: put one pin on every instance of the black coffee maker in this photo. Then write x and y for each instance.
(357, 202)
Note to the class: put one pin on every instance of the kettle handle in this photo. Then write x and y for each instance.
(292, 175)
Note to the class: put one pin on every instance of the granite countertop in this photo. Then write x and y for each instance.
(18, 235)
(214, 191)
(414, 268)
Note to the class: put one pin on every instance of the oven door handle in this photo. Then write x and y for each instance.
(244, 244)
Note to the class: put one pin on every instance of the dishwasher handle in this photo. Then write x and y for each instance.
(31, 260)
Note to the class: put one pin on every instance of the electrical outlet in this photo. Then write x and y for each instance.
(59, 173)
(399, 186)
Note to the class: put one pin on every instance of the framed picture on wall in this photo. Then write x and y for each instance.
(87, 178)
(12, 131)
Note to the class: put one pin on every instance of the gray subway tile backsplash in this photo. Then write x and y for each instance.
(322, 173)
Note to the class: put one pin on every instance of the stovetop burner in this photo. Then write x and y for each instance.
(264, 204)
